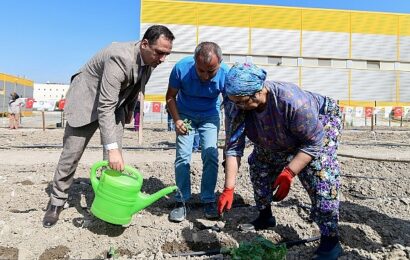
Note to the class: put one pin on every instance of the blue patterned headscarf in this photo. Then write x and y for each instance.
(244, 79)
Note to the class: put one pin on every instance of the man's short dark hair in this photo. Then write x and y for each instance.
(205, 51)
(155, 31)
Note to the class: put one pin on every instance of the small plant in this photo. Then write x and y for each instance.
(259, 249)
(112, 253)
(187, 124)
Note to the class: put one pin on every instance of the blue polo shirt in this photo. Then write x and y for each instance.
(197, 98)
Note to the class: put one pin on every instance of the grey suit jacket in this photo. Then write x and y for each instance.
(106, 86)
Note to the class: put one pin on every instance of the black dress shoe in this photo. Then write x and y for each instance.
(51, 216)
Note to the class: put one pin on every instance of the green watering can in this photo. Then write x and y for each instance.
(118, 196)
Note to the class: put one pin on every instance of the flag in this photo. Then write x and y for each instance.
(156, 107)
(368, 111)
(398, 111)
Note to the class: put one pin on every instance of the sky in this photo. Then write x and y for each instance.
(49, 40)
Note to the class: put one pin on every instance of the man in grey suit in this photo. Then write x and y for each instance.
(103, 94)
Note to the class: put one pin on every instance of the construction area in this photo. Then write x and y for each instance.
(361, 59)
(374, 219)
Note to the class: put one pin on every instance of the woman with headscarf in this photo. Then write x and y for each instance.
(14, 110)
(295, 133)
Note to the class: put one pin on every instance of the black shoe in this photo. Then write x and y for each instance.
(51, 216)
(210, 211)
(179, 212)
(263, 223)
(331, 254)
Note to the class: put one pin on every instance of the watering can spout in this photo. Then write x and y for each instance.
(145, 200)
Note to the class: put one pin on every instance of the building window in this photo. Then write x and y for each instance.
(373, 65)
(357, 64)
(310, 62)
(290, 61)
(341, 64)
(404, 66)
(238, 58)
(275, 60)
(324, 62)
(385, 65)
(226, 57)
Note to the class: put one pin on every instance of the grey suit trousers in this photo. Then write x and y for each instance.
(74, 143)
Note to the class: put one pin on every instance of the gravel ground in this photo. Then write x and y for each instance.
(374, 220)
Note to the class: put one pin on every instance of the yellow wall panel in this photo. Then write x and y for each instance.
(404, 25)
(227, 15)
(275, 18)
(13, 79)
(374, 23)
(168, 12)
(325, 20)
(154, 98)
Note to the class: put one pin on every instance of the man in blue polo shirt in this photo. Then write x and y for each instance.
(195, 85)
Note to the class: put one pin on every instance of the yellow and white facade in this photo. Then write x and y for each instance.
(355, 57)
(8, 84)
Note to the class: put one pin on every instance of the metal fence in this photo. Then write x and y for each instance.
(353, 117)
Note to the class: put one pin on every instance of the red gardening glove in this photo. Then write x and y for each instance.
(225, 200)
(284, 180)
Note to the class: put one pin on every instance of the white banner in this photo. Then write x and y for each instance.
(377, 110)
(387, 111)
(406, 111)
(359, 111)
(147, 106)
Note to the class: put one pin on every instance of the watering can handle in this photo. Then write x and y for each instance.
(93, 173)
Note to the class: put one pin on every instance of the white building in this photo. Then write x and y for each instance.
(49, 91)
(358, 58)
(46, 95)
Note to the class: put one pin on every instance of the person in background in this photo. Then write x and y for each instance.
(102, 95)
(14, 110)
(195, 85)
(295, 134)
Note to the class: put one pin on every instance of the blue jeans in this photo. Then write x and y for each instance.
(196, 142)
(208, 128)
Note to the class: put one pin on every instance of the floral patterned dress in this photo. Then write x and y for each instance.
(293, 120)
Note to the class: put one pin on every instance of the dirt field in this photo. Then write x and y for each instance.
(375, 202)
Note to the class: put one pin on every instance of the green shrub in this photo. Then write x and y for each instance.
(259, 249)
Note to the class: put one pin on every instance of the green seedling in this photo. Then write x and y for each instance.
(259, 249)
(187, 124)
(112, 253)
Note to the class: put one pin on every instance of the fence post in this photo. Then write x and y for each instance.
(372, 126)
(375, 115)
(44, 120)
